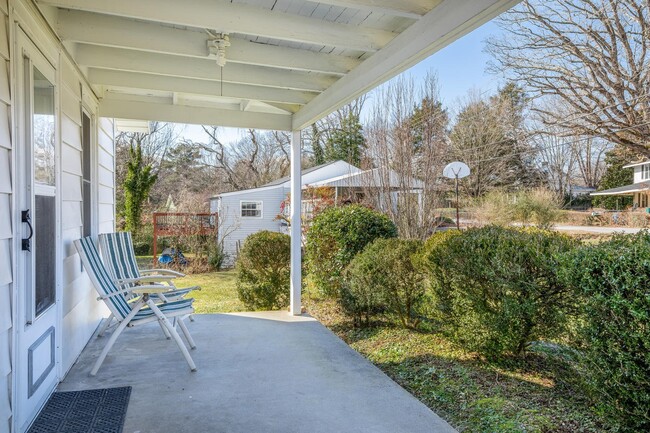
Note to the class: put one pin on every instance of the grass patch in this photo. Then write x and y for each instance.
(218, 293)
(530, 395)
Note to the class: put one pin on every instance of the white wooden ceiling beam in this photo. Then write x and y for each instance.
(113, 31)
(240, 18)
(413, 9)
(447, 22)
(163, 64)
(135, 80)
(124, 109)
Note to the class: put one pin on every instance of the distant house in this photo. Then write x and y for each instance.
(242, 213)
(640, 189)
(245, 212)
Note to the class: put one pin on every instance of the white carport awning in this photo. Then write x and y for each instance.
(625, 190)
(290, 62)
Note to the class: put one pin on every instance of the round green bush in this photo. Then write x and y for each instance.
(385, 277)
(263, 271)
(497, 290)
(336, 235)
(612, 280)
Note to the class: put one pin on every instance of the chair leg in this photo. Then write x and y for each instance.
(177, 338)
(187, 334)
(105, 326)
(113, 338)
(165, 331)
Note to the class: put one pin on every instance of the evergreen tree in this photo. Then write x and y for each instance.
(137, 184)
(615, 176)
(316, 147)
(347, 141)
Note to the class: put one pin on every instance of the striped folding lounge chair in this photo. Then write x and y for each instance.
(137, 311)
(119, 257)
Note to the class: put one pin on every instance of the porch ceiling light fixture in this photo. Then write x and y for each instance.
(217, 45)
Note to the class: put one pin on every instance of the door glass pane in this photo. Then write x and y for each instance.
(43, 129)
(44, 253)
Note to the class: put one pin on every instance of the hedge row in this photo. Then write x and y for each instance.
(492, 290)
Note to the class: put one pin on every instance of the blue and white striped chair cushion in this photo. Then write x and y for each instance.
(167, 309)
(100, 278)
(117, 251)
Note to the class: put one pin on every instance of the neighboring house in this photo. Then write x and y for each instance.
(579, 190)
(245, 212)
(242, 213)
(640, 189)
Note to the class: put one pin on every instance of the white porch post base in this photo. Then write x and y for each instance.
(296, 232)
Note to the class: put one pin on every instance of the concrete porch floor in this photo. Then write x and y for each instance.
(257, 372)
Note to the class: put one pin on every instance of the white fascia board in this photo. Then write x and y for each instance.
(125, 109)
(238, 18)
(636, 164)
(450, 20)
(118, 32)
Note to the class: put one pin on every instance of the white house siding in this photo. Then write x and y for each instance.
(106, 176)
(79, 308)
(239, 228)
(81, 311)
(638, 174)
(6, 230)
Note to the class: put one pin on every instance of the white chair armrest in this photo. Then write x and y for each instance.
(162, 272)
(153, 288)
(145, 279)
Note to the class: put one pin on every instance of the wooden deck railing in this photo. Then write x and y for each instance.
(181, 224)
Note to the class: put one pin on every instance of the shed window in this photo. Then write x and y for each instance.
(251, 209)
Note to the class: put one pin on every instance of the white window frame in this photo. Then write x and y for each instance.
(258, 203)
(645, 172)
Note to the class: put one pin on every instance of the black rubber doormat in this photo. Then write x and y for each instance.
(92, 411)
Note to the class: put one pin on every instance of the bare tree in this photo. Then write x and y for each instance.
(590, 156)
(556, 160)
(256, 159)
(594, 55)
(490, 137)
(407, 145)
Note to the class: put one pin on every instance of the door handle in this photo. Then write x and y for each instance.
(27, 243)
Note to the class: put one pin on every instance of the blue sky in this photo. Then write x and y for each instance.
(460, 68)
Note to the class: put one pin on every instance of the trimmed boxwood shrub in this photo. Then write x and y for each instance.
(612, 280)
(263, 271)
(497, 290)
(385, 277)
(336, 235)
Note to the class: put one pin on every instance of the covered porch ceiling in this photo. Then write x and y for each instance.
(289, 63)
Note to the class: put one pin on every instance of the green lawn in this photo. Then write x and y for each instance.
(217, 295)
(533, 395)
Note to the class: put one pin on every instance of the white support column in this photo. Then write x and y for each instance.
(296, 224)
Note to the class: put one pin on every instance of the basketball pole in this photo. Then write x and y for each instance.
(457, 206)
